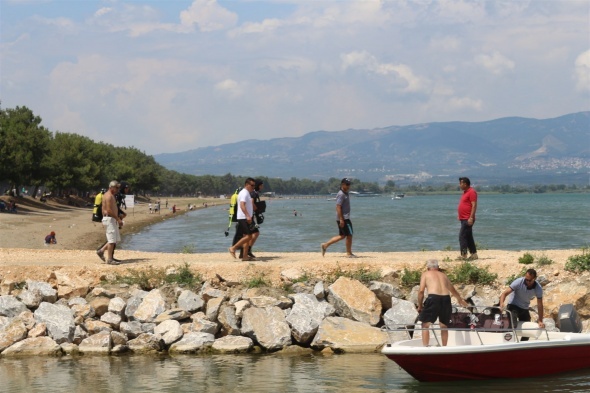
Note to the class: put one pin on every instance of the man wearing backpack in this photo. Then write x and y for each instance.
(259, 209)
(245, 222)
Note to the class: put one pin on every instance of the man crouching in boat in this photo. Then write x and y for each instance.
(519, 294)
(438, 302)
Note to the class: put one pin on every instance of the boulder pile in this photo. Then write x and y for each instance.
(67, 316)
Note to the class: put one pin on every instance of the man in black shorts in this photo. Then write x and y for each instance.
(342, 219)
(438, 304)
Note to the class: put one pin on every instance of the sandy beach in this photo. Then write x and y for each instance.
(23, 253)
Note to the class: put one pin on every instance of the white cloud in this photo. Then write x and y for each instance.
(411, 83)
(229, 87)
(351, 15)
(582, 72)
(367, 12)
(446, 43)
(458, 103)
(496, 63)
(208, 15)
(60, 23)
(103, 11)
(143, 73)
(267, 25)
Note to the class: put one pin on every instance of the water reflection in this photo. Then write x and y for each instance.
(246, 373)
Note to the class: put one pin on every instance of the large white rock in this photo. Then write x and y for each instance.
(10, 306)
(37, 346)
(169, 330)
(233, 344)
(133, 303)
(152, 305)
(114, 320)
(45, 289)
(190, 301)
(344, 335)
(31, 299)
(146, 343)
(384, 292)
(267, 326)
(97, 344)
(306, 315)
(131, 329)
(69, 287)
(13, 332)
(354, 301)
(117, 306)
(192, 343)
(402, 313)
(59, 321)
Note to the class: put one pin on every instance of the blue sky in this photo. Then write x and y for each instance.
(170, 76)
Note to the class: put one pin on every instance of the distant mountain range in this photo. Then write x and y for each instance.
(503, 151)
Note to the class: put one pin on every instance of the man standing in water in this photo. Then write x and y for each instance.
(466, 214)
(342, 219)
(438, 303)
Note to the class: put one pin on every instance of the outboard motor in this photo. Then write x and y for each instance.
(568, 319)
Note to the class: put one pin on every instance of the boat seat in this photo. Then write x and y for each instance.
(528, 329)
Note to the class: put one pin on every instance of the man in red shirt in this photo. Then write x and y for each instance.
(466, 209)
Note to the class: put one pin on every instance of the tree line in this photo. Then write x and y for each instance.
(68, 163)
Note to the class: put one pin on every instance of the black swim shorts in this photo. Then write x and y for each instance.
(346, 230)
(437, 306)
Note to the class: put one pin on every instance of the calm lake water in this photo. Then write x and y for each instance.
(369, 373)
(507, 222)
(510, 222)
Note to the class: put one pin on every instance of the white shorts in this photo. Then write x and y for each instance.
(113, 234)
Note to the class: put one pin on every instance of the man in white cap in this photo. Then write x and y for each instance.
(438, 303)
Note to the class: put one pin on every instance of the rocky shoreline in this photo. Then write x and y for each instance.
(67, 315)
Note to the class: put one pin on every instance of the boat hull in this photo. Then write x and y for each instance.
(521, 360)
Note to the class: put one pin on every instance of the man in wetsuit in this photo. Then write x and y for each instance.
(438, 302)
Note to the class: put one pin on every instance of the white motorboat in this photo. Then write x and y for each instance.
(484, 346)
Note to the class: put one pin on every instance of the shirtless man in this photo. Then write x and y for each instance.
(112, 222)
(438, 303)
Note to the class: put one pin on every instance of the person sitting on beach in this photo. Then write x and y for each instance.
(438, 303)
(50, 239)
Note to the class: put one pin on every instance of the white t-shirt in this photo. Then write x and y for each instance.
(244, 196)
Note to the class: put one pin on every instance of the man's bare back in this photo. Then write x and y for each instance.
(436, 282)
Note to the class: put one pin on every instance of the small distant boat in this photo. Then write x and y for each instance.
(398, 196)
(366, 194)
